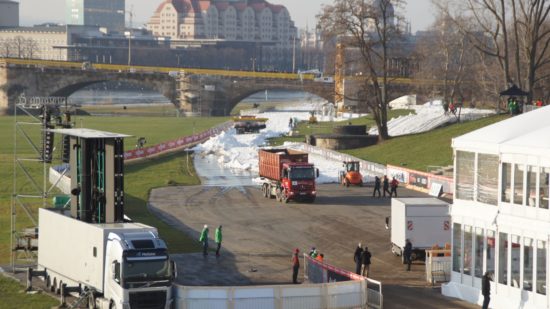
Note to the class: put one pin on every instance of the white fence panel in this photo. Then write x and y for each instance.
(306, 297)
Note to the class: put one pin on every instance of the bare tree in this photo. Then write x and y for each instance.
(6, 48)
(368, 26)
(519, 32)
(31, 48)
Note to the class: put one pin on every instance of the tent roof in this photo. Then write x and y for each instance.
(514, 91)
(520, 134)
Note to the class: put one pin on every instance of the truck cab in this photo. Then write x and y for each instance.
(298, 182)
(139, 272)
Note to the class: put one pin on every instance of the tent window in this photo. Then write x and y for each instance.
(506, 182)
(465, 175)
(531, 184)
(518, 183)
(541, 267)
(457, 246)
(487, 179)
(543, 185)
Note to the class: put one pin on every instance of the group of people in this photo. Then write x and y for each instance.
(315, 255)
(217, 238)
(295, 260)
(362, 259)
(386, 184)
(514, 106)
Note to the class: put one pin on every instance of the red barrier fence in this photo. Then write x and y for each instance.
(180, 143)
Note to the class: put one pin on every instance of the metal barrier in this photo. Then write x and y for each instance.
(438, 265)
(370, 168)
(323, 273)
(337, 295)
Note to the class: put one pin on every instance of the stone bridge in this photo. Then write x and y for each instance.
(196, 93)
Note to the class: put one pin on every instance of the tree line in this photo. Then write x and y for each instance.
(18, 47)
(475, 48)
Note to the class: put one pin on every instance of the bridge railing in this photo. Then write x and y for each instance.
(152, 69)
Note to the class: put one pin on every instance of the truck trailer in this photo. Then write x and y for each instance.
(424, 221)
(120, 265)
(287, 175)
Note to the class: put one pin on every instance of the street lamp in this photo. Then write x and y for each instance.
(129, 35)
(253, 64)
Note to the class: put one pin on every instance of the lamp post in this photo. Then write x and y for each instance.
(129, 35)
(253, 64)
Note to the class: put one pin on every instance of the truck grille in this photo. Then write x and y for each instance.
(148, 300)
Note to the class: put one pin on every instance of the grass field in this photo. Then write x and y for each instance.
(140, 177)
(418, 151)
(160, 110)
(12, 295)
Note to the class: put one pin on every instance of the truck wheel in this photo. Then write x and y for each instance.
(91, 300)
(53, 288)
(265, 191)
(360, 184)
(269, 190)
(346, 182)
(284, 198)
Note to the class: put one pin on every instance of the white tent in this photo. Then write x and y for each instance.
(520, 134)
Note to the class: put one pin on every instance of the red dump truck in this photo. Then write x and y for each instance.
(287, 175)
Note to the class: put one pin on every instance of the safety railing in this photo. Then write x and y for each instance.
(438, 265)
(152, 69)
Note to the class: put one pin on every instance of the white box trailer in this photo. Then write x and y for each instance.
(124, 264)
(424, 221)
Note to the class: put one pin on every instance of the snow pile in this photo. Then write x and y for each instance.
(428, 117)
(240, 151)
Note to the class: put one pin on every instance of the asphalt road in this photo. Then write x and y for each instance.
(260, 234)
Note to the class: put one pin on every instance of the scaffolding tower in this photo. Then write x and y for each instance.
(33, 155)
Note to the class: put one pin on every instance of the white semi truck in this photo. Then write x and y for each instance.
(121, 265)
(424, 221)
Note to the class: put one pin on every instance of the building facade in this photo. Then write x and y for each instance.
(500, 213)
(39, 42)
(267, 25)
(101, 13)
(9, 13)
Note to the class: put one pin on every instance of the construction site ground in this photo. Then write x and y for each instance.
(260, 234)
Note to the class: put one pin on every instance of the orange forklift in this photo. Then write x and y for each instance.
(351, 175)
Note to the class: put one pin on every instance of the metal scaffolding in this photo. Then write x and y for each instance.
(31, 161)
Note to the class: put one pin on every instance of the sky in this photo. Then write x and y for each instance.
(418, 12)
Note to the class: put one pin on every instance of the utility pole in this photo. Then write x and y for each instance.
(293, 53)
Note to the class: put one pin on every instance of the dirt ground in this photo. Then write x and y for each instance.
(260, 234)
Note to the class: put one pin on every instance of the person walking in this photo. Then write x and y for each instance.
(394, 185)
(377, 183)
(407, 254)
(365, 259)
(386, 185)
(204, 239)
(218, 239)
(486, 289)
(295, 266)
(357, 258)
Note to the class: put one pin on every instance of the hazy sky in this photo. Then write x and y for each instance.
(419, 12)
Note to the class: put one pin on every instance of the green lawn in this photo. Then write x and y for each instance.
(140, 177)
(419, 151)
(12, 295)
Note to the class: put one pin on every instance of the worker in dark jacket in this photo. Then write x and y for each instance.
(365, 260)
(357, 258)
(386, 186)
(376, 186)
(295, 265)
(486, 289)
(407, 254)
